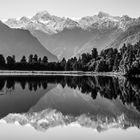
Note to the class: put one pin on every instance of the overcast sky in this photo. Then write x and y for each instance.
(68, 8)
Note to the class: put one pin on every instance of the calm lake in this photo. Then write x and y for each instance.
(69, 107)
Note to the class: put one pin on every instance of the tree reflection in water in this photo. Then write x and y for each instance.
(128, 90)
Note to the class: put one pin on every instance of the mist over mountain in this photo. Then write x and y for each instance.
(66, 37)
(21, 42)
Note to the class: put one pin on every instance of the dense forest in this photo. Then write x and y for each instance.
(126, 61)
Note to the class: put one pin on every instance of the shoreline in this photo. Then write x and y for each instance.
(57, 73)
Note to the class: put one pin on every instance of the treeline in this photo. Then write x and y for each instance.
(126, 60)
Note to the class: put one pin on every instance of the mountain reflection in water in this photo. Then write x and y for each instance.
(96, 102)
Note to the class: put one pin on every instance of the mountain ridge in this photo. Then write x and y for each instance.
(66, 37)
(57, 24)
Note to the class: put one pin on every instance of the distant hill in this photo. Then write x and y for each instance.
(21, 42)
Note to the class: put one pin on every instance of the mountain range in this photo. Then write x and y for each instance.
(66, 37)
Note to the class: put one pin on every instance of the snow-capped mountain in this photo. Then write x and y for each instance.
(66, 37)
(104, 21)
(56, 24)
(43, 21)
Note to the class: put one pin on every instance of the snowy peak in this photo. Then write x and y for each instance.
(18, 23)
(69, 23)
(103, 14)
(24, 19)
(12, 22)
(54, 24)
(126, 18)
(44, 15)
(100, 21)
(105, 21)
(44, 22)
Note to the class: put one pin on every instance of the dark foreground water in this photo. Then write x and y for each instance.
(58, 107)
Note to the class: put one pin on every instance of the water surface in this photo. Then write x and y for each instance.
(78, 107)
